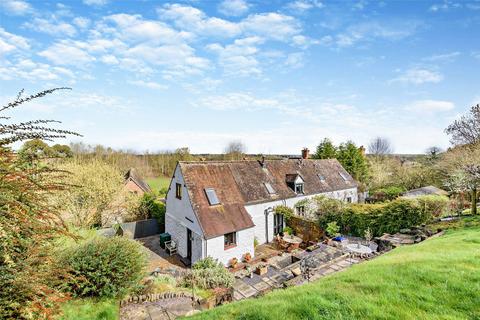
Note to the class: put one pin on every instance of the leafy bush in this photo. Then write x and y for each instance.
(151, 207)
(208, 274)
(288, 230)
(436, 205)
(287, 212)
(328, 205)
(332, 229)
(388, 193)
(103, 267)
(381, 218)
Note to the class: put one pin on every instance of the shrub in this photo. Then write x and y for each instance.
(388, 193)
(287, 212)
(381, 218)
(328, 205)
(153, 208)
(332, 229)
(434, 205)
(103, 267)
(208, 274)
(288, 230)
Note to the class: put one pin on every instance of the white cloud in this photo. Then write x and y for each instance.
(369, 31)
(54, 28)
(16, 7)
(445, 57)
(445, 6)
(239, 57)
(10, 42)
(419, 76)
(194, 20)
(272, 26)
(66, 53)
(81, 22)
(233, 7)
(304, 5)
(33, 71)
(295, 60)
(95, 2)
(430, 106)
(109, 59)
(149, 84)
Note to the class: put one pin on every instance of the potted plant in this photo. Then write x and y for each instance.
(247, 257)
(333, 231)
(233, 262)
(249, 271)
(261, 269)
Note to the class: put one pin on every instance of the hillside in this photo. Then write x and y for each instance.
(437, 279)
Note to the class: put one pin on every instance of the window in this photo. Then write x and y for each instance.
(344, 176)
(322, 178)
(349, 199)
(178, 191)
(212, 196)
(230, 240)
(299, 188)
(269, 188)
(301, 211)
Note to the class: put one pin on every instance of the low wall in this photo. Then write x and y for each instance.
(136, 229)
(307, 230)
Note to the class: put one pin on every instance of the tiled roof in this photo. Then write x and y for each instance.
(133, 176)
(239, 183)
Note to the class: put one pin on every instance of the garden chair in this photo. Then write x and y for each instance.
(171, 247)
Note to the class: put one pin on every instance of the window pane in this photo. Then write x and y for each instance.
(212, 196)
(269, 188)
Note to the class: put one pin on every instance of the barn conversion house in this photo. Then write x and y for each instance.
(219, 208)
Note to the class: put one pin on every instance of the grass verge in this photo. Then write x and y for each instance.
(159, 183)
(436, 279)
(90, 309)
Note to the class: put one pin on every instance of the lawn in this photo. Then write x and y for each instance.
(90, 309)
(158, 183)
(436, 279)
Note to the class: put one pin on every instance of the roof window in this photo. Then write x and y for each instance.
(269, 188)
(212, 196)
(344, 176)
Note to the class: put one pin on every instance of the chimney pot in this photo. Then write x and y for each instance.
(305, 153)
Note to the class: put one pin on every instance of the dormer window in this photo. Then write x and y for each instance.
(295, 182)
(212, 196)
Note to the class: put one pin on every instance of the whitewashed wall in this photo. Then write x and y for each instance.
(257, 211)
(178, 217)
(215, 246)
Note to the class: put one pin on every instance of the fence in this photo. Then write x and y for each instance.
(136, 229)
(307, 230)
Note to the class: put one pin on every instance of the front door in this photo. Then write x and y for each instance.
(189, 244)
(277, 224)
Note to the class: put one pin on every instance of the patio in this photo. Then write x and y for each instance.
(158, 258)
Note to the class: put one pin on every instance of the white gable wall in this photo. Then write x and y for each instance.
(180, 216)
(215, 246)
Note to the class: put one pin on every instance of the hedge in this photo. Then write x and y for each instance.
(389, 217)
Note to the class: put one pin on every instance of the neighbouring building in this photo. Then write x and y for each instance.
(220, 208)
(425, 191)
(135, 184)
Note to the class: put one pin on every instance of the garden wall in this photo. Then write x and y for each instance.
(136, 229)
(307, 230)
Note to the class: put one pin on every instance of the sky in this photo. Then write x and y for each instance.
(276, 75)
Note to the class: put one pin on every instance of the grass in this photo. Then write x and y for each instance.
(436, 279)
(90, 309)
(159, 183)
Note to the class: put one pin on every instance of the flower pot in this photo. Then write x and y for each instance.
(261, 270)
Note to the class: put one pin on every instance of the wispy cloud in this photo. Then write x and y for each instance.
(16, 7)
(445, 57)
(10, 42)
(418, 76)
(95, 2)
(304, 5)
(430, 106)
(51, 27)
(233, 7)
(149, 84)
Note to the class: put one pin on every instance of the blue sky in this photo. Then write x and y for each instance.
(277, 75)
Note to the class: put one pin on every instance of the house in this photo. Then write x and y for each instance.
(135, 184)
(220, 208)
(425, 191)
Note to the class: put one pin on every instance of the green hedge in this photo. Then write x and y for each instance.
(387, 217)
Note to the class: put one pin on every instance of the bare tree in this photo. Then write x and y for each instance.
(466, 130)
(380, 147)
(235, 150)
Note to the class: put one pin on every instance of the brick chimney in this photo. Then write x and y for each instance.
(305, 153)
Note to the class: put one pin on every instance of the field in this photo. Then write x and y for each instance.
(436, 279)
(158, 183)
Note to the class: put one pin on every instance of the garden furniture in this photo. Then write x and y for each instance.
(171, 247)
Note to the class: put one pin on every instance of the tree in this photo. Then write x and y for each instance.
(433, 153)
(380, 147)
(27, 221)
(325, 150)
(352, 159)
(62, 151)
(466, 130)
(34, 150)
(235, 150)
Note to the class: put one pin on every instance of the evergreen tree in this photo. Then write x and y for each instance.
(352, 159)
(325, 150)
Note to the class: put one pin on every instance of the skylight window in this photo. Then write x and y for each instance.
(322, 178)
(269, 188)
(344, 176)
(212, 196)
